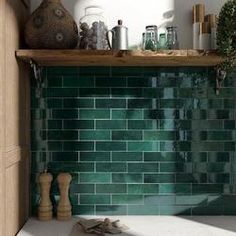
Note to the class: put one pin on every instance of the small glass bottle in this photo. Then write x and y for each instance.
(151, 38)
(172, 38)
(162, 41)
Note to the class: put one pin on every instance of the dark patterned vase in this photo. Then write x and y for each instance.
(51, 27)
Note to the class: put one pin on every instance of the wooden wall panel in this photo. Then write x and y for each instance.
(2, 107)
(14, 120)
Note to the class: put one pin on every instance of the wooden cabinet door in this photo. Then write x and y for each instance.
(14, 120)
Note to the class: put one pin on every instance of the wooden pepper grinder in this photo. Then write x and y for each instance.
(45, 206)
(64, 206)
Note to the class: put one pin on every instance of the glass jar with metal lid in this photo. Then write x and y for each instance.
(151, 38)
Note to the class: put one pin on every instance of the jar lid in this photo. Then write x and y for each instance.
(151, 26)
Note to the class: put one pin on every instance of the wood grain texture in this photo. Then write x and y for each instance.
(2, 109)
(14, 131)
(120, 58)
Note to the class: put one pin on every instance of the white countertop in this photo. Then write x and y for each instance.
(144, 226)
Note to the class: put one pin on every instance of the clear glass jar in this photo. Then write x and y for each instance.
(151, 38)
(172, 38)
(93, 29)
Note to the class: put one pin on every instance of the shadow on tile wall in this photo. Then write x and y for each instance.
(137, 141)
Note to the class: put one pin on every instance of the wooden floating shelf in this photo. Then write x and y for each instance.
(119, 58)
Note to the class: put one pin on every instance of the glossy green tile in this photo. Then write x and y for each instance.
(95, 70)
(83, 210)
(60, 92)
(159, 178)
(78, 81)
(79, 103)
(126, 92)
(110, 103)
(140, 82)
(159, 135)
(220, 114)
(95, 199)
(126, 71)
(111, 167)
(71, 167)
(110, 124)
(127, 199)
(218, 156)
(91, 114)
(176, 210)
(111, 188)
(127, 135)
(78, 124)
(110, 82)
(94, 92)
(174, 188)
(143, 210)
(65, 114)
(127, 156)
(219, 135)
(159, 156)
(54, 81)
(159, 200)
(127, 178)
(94, 135)
(127, 114)
(143, 146)
(219, 178)
(95, 178)
(151, 141)
(143, 124)
(140, 103)
(172, 167)
(54, 103)
(83, 188)
(78, 146)
(207, 188)
(110, 146)
(62, 135)
(111, 210)
(62, 70)
(143, 167)
(197, 199)
(143, 188)
(218, 167)
(229, 124)
(94, 156)
(64, 156)
(191, 178)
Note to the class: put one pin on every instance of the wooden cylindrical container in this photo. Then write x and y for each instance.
(212, 20)
(64, 205)
(45, 206)
(198, 14)
(205, 36)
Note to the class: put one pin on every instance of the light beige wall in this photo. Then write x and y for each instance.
(14, 120)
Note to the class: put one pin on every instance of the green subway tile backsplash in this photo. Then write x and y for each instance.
(137, 140)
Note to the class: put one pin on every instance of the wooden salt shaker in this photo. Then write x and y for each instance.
(45, 206)
(64, 206)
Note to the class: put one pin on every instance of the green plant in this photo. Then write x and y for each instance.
(226, 39)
